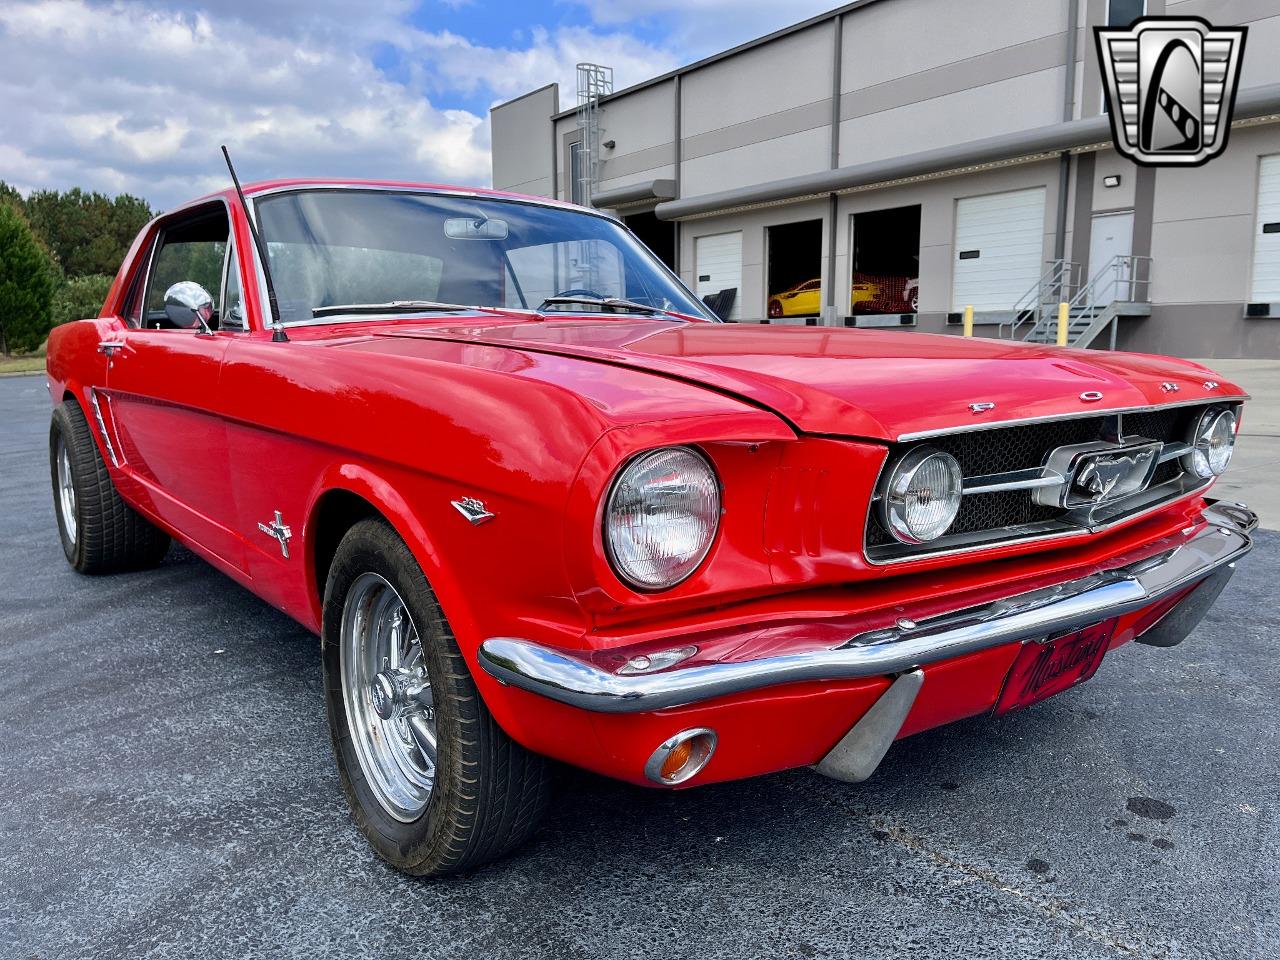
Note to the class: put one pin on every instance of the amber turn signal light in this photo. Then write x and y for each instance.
(681, 757)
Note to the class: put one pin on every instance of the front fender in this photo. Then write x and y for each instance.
(381, 492)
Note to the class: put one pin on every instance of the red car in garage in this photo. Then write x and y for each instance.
(538, 503)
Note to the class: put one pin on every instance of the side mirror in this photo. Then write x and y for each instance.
(188, 305)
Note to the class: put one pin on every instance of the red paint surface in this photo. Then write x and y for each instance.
(219, 432)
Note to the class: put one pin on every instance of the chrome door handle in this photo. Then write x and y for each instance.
(109, 347)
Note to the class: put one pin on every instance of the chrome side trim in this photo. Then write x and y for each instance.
(102, 427)
(860, 751)
(1022, 421)
(909, 644)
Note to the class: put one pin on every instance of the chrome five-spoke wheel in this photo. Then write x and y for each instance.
(388, 697)
(434, 783)
(66, 490)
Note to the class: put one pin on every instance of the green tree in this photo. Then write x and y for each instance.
(9, 195)
(81, 297)
(26, 284)
(89, 233)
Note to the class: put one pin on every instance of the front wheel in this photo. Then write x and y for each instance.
(433, 782)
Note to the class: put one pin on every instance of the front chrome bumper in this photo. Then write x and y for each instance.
(903, 647)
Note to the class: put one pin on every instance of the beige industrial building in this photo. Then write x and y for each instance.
(892, 162)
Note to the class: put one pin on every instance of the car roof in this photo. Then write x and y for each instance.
(261, 188)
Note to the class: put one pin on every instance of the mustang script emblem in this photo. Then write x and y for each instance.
(1171, 84)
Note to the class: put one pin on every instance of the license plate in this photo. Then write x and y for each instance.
(1043, 669)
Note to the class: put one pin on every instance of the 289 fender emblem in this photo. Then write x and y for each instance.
(474, 510)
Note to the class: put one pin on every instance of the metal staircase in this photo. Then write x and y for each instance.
(1116, 291)
(1054, 286)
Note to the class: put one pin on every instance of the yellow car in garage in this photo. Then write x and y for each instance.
(802, 300)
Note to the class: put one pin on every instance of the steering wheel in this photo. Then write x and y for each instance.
(579, 292)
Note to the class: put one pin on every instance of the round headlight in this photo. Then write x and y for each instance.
(661, 517)
(1212, 443)
(922, 497)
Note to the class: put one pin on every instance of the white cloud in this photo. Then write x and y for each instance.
(699, 28)
(132, 98)
(450, 62)
(136, 95)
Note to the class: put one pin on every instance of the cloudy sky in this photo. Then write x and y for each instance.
(135, 96)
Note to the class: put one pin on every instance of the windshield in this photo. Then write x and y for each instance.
(362, 248)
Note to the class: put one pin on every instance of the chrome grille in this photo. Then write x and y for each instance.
(990, 519)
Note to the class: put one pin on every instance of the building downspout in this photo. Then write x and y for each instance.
(679, 265)
(1068, 113)
(836, 58)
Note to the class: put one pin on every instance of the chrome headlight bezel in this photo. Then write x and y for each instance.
(896, 508)
(702, 475)
(1206, 461)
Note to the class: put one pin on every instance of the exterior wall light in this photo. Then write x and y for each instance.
(1111, 181)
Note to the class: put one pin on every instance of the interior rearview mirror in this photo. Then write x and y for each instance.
(475, 228)
(188, 305)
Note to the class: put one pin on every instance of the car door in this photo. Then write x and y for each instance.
(163, 388)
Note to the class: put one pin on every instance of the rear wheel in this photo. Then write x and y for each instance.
(100, 533)
(433, 782)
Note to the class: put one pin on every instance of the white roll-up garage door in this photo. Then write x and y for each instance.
(999, 245)
(717, 260)
(1266, 242)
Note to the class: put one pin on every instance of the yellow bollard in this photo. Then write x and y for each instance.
(968, 321)
(1064, 320)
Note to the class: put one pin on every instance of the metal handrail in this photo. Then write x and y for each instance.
(1056, 279)
(1121, 277)
(1130, 275)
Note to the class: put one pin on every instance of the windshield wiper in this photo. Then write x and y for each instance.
(617, 304)
(393, 306)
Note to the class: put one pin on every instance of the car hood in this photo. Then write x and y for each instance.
(884, 385)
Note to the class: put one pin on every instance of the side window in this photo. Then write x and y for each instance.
(232, 312)
(193, 249)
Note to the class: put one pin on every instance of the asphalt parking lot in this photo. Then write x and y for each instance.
(167, 790)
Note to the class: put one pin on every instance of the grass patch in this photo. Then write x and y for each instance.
(30, 363)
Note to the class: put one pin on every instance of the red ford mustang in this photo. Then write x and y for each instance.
(538, 503)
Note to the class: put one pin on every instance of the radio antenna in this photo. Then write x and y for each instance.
(277, 330)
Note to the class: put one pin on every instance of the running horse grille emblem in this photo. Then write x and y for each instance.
(1171, 85)
(1099, 476)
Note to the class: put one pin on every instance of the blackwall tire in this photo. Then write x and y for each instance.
(482, 794)
(100, 533)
